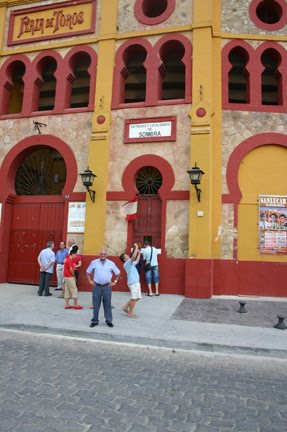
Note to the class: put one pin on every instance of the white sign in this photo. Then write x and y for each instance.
(150, 130)
(76, 217)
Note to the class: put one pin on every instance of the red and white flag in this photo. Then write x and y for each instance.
(130, 209)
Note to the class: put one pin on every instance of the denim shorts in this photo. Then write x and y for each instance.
(152, 275)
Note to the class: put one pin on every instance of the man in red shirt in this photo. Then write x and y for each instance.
(71, 290)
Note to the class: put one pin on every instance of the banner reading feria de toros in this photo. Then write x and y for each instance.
(272, 224)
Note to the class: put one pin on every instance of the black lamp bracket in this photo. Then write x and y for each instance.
(92, 194)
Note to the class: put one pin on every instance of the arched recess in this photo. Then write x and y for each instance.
(129, 185)
(48, 62)
(129, 175)
(68, 77)
(280, 74)
(9, 199)
(234, 182)
(121, 73)
(21, 150)
(7, 84)
(170, 43)
(227, 66)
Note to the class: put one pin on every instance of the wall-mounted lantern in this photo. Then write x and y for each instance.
(88, 178)
(195, 174)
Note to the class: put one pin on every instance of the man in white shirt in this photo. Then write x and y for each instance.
(46, 261)
(150, 254)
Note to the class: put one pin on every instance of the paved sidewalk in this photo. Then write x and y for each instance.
(169, 321)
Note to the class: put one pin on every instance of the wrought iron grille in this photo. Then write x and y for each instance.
(42, 173)
(148, 181)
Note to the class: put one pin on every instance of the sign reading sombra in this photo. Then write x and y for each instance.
(51, 21)
(272, 224)
(150, 130)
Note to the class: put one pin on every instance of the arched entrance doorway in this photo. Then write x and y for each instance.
(147, 226)
(39, 175)
(36, 218)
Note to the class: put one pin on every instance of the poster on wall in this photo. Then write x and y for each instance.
(272, 222)
(76, 217)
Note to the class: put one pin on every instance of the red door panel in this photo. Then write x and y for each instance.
(33, 225)
(148, 222)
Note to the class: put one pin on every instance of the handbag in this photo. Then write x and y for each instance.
(147, 267)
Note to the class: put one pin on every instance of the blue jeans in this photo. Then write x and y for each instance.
(102, 293)
(152, 274)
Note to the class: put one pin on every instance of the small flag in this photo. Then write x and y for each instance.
(130, 209)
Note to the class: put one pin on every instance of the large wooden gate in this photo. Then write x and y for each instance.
(32, 226)
(148, 222)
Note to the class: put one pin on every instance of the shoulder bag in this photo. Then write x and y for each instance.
(147, 267)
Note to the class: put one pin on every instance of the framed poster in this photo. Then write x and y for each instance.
(76, 217)
(272, 223)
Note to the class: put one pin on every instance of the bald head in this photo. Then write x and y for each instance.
(103, 254)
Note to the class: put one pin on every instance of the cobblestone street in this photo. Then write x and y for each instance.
(51, 383)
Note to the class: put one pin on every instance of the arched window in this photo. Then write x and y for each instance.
(134, 74)
(151, 12)
(43, 172)
(238, 76)
(80, 80)
(148, 180)
(269, 11)
(13, 88)
(17, 70)
(47, 84)
(269, 15)
(271, 79)
(172, 70)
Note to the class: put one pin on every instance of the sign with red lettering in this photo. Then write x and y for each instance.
(53, 21)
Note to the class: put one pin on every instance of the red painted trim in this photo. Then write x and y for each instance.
(13, 14)
(21, 150)
(254, 69)
(186, 60)
(141, 17)
(120, 68)
(21, 199)
(170, 196)
(250, 278)
(171, 137)
(233, 166)
(8, 171)
(68, 60)
(264, 26)
(199, 278)
(32, 77)
(152, 64)
(158, 162)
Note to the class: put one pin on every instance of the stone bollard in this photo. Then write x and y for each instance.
(280, 325)
(242, 307)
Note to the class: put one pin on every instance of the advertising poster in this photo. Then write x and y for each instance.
(76, 217)
(272, 224)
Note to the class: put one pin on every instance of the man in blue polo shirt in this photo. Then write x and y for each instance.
(100, 273)
(46, 261)
(60, 258)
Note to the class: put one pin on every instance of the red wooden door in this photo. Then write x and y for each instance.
(33, 225)
(148, 222)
